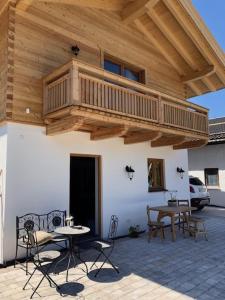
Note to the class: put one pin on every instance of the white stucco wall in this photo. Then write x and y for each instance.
(38, 176)
(3, 151)
(210, 156)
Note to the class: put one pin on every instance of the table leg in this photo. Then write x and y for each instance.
(173, 228)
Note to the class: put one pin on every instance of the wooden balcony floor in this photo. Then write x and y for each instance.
(103, 125)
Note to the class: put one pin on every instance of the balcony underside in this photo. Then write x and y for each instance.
(103, 125)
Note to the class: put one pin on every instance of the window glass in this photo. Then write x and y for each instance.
(131, 74)
(195, 181)
(112, 67)
(123, 69)
(212, 177)
(155, 174)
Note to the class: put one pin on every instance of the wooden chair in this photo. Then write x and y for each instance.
(154, 227)
(180, 216)
(196, 226)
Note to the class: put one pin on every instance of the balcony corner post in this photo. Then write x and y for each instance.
(74, 85)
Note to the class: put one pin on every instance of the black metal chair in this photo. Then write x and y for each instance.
(56, 218)
(42, 260)
(105, 248)
(46, 222)
(26, 222)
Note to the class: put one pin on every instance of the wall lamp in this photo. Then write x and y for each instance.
(75, 50)
(130, 172)
(181, 172)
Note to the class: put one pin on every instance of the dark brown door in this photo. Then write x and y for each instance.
(83, 190)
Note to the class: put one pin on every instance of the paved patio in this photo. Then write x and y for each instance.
(159, 270)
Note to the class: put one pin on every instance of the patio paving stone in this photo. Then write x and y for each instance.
(157, 270)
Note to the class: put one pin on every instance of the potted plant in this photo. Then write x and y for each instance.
(134, 231)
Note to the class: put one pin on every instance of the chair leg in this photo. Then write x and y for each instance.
(97, 258)
(16, 255)
(106, 259)
(163, 231)
(27, 251)
(29, 278)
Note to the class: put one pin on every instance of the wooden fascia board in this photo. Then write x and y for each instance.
(106, 133)
(140, 137)
(209, 70)
(136, 9)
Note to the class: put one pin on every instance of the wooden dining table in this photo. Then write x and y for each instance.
(172, 212)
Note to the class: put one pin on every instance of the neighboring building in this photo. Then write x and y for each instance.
(90, 88)
(208, 163)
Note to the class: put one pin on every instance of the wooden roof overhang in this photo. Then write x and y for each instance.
(175, 29)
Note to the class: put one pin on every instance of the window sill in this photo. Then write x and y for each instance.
(213, 187)
(158, 190)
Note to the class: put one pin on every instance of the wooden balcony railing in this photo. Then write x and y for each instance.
(80, 84)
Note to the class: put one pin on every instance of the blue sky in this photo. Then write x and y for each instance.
(213, 14)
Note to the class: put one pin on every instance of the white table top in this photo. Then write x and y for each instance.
(72, 230)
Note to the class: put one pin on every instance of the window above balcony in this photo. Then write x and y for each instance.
(124, 69)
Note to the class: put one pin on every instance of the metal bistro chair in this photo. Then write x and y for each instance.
(26, 222)
(103, 246)
(42, 260)
(154, 226)
(56, 218)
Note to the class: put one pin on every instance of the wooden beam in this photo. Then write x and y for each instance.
(112, 5)
(195, 88)
(106, 133)
(64, 125)
(141, 137)
(167, 141)
(136, 9)
(64, 34)
(24, 4)
(4, 6)
(198, 74)
(169, 56)
(191, 144)
(210, 85)
(173, 39)
(107, 118)
(185, 17)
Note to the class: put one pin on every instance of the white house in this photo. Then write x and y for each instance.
(208, 163)
(90, 88)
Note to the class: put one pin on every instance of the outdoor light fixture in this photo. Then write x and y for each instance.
(181, 172)
(75, 50)
(130, 172)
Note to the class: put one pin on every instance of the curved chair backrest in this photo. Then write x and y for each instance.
(55, 218)
(27, 222)
(113, 227)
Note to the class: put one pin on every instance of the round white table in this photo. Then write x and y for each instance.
(73, 233)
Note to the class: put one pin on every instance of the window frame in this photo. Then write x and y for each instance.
(217, 185)
(124, 65)
(162, 175)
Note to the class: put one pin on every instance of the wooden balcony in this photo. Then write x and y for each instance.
(81, 97)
